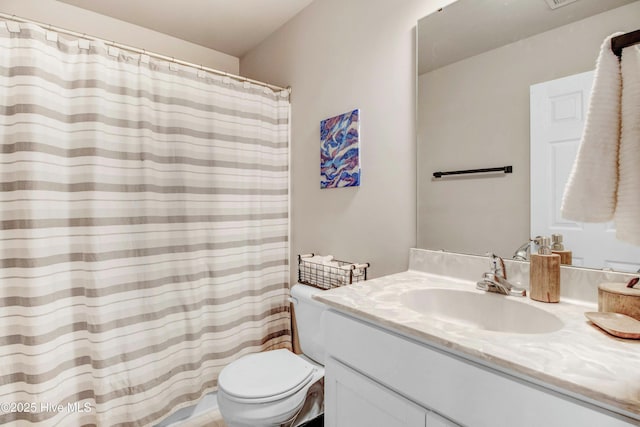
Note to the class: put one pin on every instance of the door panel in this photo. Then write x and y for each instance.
(558, 113)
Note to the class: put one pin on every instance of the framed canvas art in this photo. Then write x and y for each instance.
(340, 151)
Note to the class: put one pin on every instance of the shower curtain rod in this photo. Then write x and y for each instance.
(142, 51)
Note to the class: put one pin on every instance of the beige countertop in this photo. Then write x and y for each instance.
(579, 358)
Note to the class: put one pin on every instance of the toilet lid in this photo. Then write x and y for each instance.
(266, 376)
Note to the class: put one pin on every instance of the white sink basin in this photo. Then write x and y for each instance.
(488, 311)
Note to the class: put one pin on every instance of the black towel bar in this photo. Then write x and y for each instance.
(505, 169)
(625, 40)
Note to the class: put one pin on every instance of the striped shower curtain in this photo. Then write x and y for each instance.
(144, 212)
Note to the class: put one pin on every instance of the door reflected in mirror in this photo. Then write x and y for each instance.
(478, 61)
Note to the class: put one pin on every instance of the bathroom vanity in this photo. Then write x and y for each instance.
(391, 363)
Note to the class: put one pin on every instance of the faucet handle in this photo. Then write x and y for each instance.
(497, 265)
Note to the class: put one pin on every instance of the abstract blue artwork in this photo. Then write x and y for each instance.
(340, 151)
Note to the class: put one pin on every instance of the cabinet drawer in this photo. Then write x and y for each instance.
(353, 400)
(465, 392)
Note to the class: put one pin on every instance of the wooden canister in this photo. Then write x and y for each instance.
(618, 298)
(544, 277)
(566, 257)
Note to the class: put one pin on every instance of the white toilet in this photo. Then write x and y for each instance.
(269, 388)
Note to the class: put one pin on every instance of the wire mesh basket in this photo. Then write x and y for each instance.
(327, 273)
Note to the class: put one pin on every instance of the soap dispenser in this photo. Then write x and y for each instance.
(557, 247)
(544, 272)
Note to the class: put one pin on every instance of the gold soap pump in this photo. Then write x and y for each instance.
(544, 272)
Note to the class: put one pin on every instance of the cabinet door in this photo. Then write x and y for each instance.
(435, 420)
(353, 400)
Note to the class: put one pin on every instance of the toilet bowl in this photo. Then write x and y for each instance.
(270, 388)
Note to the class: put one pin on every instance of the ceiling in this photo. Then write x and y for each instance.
(469, 27)
(230, 26)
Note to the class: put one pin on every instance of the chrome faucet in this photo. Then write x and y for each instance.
(496, 280)
(522, 253)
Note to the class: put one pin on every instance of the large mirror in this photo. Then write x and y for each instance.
(481, 65)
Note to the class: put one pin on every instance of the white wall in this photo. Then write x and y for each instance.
(475, 113)
(83, 21)
(339, 55)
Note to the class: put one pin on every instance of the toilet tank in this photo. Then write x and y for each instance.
(309, 315)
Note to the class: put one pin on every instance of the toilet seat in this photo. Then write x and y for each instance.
(265, 377)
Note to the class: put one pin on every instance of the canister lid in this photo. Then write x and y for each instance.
(620, 288)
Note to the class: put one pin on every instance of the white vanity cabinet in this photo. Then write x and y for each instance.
(360, 401)
(376, 377)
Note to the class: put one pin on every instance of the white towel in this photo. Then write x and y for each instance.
(627, 217)
(590, 193)
(327, 270)
(319, 259)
